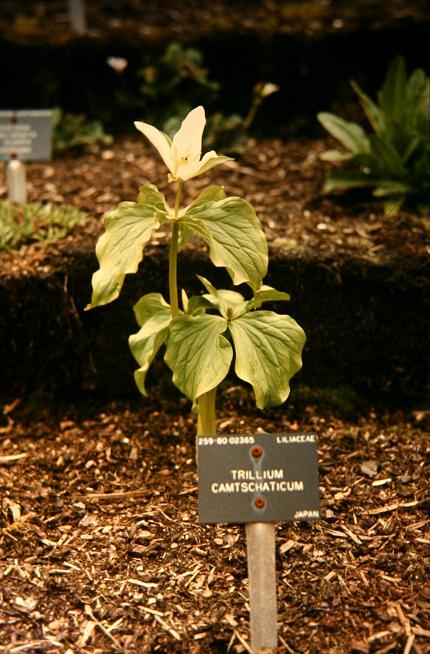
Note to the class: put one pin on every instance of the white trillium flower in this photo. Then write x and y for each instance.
(182, 154)
(119, 64)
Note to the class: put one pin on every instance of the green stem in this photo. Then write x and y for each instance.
(173, 256)
(206, 421)
(249, 118)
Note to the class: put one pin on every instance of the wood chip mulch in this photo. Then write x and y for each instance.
(283, 180)
(101, 550)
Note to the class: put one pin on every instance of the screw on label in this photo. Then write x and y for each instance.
(257, 451)
(260, 502)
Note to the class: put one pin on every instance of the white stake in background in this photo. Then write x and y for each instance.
(77, 16)
(16, 181)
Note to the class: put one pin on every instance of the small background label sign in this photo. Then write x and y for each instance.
(258, 477)
(26, 135)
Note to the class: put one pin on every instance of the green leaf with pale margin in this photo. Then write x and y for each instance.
(150, 195)
(211, 194)
(268, 351)
(215, 161)
(198, 304)
(351, 135)
(154, 316)
(212, 291)
(229, 303)
(235, 237)
(120, 249)
(267, 294)
(198, 354)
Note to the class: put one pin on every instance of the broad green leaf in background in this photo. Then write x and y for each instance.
(154, 316)
(346, 179)
(390, 187)
(371, 110)
(120, 249)
(388, 156)
(235, 237)
(417, 92)
(422, 118)
(198, 354)
(397, 150)
(392, 95)
(411, 148)
(335, 155)
(393, 204)
(268, 350)
(351, 135)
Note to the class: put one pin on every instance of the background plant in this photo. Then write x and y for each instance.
(29, 223)
(170, 86)
(394, 160)
(76, 130)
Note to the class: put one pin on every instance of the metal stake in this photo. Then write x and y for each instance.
(260, 542)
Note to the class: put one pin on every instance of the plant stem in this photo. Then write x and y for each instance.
(173, 256)
(249, 118)
(206, 422)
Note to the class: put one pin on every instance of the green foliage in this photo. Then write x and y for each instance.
(154, 316)
(174, 84)
(178, 81)
(394, 160)
(28, 223)
(199, 345)
(120, 249)
(72, 131)
(222, 223)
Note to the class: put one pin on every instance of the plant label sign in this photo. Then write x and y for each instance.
(26, 135)
(258, 478)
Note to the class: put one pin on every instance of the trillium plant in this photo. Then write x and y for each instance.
(202, 335)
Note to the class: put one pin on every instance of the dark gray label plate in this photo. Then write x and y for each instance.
(26, 135)
(258, 477)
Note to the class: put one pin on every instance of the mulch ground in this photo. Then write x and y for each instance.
(282, 179)
(25, 22)
(101, 549)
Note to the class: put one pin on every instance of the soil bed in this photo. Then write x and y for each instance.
(310, 49)
(101, 550)
(359, 280)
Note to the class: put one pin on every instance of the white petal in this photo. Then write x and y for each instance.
(159, 140)
(187, 142)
